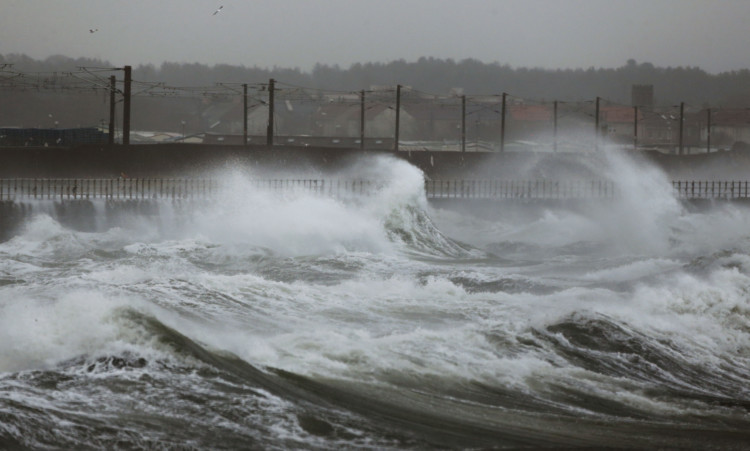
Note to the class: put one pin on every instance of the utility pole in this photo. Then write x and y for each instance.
(244, 114)
(635, 128)
(708, 131)
(463, 123)
(502, 125)
(398, 115)
(362, 120)
(269, 130)
(682, 121)
(555, 126)
(596, 125)
(126, 107)
(112, 90)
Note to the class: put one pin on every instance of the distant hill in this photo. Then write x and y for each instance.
(672, 85)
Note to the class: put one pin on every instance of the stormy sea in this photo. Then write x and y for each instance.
(287, 319)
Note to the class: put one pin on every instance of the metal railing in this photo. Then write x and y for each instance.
(575, 189)
(520, 189)
(339, 188)
(189, 188)
(116, 188)
(147, 188)
(690, 189)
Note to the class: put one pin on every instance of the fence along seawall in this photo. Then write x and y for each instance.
(26, 189)
(112, 189)
(73, 202)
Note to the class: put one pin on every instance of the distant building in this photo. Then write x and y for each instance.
(642, 96)
(661, 129)
(528, 121)
(728, 126)
(343, 120)
(620, 122)
(436, 121)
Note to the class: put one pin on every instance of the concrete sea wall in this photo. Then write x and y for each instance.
(164, 160)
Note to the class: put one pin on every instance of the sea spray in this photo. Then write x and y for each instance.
(645, 207)
(296, 220)
(298, 320)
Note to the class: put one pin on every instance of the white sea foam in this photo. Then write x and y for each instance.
(289, 223)
(632, 271)
(38, 333)
(321, 287)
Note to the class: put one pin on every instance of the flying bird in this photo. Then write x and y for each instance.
(217, 11)
(93, 30)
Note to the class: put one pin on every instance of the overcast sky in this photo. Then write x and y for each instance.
(710, 34)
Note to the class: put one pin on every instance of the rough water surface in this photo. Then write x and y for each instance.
(278, 320)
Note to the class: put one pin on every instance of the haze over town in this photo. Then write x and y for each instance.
(300, 33)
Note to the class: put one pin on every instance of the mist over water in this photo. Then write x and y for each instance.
(292, 319)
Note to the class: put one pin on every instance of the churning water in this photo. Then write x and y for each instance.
(289, 320)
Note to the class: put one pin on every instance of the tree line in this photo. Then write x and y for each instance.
(672, 85)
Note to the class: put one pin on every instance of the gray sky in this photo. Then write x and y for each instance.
(711, 34)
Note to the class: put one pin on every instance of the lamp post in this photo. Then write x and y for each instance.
(635, 127)
(502, 123)
(682, 127)
(269, 127)
(596, 125)
(554, 137)
(708, 130)
(126, 106)
(398, 117)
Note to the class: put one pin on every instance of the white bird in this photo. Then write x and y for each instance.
(217, 11)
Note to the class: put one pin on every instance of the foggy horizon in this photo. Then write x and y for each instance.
(308, 70)
(565, 35)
